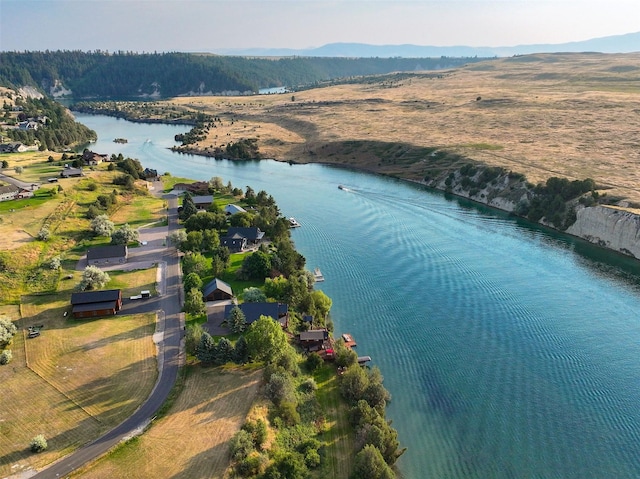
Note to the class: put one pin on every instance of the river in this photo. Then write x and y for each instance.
(510, 351)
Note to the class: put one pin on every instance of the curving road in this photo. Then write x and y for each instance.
(169, 332)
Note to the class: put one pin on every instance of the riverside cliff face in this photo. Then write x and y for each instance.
(611, 228)
(608, 227)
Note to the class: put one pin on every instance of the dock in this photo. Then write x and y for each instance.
(349, 341)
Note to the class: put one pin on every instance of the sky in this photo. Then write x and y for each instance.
(207, 25)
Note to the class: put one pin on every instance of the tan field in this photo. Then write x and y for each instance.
(74, 382)
(191, 440)
(569, 115)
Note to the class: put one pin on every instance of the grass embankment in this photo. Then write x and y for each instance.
(564, 115)
(212, 406)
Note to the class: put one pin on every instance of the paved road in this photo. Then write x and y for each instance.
(20, 184)
(169, 334)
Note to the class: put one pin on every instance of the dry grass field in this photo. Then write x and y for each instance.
(74, 382)
(191, 440)
(569, 115)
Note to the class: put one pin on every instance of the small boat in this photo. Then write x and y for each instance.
(340, 187)
(294, 223)
(317, 275)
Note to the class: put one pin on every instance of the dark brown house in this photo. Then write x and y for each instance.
(92, 304)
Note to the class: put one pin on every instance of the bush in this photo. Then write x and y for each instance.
(38, 443)
(6, 356)
(241, 445)
(309, 385)
(7, 330)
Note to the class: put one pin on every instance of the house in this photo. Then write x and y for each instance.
(13, 147)
(196, 188)
(314, 339)
(150, 174)
(252, 233)
(22, 194)
(28, 125)
(107, 255)
(252, 311)
(217, 290)
(91, 304)
(235, 243)
(233, 209)
(203, 202)
(92, 159)
(8, 192)
(71, 172)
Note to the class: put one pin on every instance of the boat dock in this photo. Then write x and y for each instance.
(348, 340)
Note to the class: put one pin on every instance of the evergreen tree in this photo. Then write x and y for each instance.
(206, 350)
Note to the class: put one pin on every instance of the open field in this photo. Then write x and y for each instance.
(74, 382)
(191, 440)
(569, 115)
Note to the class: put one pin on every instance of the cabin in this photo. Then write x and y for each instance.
(217, 290)
(107, 255)
(92, 304)
(314, 339)
(235, 243)
(252, 312)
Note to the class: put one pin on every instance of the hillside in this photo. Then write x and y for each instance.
(566, 115)
(125, 75)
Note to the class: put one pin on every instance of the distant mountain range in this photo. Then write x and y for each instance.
(627, 43)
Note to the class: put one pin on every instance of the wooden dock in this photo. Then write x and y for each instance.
(348, 340)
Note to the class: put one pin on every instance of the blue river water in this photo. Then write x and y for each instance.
(510, 351)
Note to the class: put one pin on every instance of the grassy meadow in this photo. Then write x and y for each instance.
(72, 383)
(210, 409)
(568, 115)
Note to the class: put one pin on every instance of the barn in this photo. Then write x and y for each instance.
(92, 304)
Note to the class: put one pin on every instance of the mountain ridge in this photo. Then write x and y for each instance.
(625, 43)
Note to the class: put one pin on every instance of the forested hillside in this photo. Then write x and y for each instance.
(126, 75)
(41, 121)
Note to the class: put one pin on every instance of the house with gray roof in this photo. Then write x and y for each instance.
(217, 290)
(252, 311)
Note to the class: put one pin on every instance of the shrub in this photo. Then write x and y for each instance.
(38, 443)
(309, 385)
(241, 445)
(7, 330)
(6, 356)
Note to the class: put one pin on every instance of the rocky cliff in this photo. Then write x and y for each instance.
(609, 227)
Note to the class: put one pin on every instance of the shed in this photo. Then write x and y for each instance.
(91, 304)
(217, 290)
(106, 255)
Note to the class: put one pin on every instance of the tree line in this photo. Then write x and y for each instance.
(127, 75)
